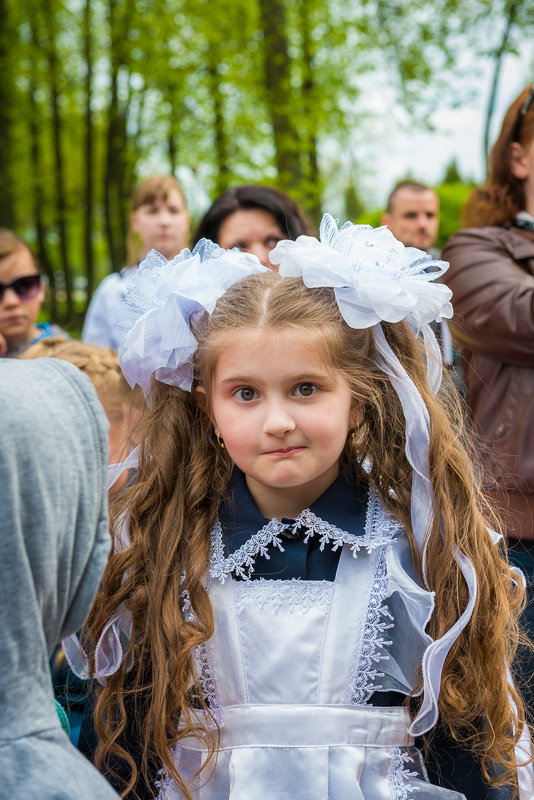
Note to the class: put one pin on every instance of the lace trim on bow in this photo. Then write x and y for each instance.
(293, 595)
(380, 530)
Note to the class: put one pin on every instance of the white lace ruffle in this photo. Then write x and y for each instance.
(293, 595)
(363, 680)
(205, 669)
(399, 776)
(381, 528)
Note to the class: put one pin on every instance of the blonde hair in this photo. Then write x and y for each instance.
(157, 187)
(184, 475)
(102, 367)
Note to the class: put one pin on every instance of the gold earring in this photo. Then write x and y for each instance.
(354, 431)
(220, 440)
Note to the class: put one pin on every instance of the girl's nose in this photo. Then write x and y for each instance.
(10, 298)
(278, 420)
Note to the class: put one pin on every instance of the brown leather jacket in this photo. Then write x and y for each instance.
(492, 278)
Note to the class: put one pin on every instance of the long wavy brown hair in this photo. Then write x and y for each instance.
(183, 476)
(503, 195)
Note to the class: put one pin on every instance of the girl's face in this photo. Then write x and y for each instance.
(162, 225)
(284, 417)
(252, 230)
(19, 312)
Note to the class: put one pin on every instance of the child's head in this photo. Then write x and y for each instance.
(21, 290)
(159, 218)
(279, 367)
(326, 302)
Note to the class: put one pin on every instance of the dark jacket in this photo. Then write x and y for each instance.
(492, 278)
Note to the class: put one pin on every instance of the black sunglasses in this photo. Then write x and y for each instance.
(25, 288)
(523, 111)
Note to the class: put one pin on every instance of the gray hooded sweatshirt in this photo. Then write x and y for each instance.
(54, 542)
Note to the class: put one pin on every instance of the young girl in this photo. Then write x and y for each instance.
(159, 220)
(302, 578)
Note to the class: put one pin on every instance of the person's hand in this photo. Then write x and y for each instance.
(3, 346)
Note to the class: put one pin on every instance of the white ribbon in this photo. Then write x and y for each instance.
(115, 470)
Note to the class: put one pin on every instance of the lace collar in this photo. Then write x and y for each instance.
(341, 504)
(380, 529)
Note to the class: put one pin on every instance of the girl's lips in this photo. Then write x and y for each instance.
(16, 319)
(286, 451)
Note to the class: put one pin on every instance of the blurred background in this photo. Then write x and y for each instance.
(330, 101)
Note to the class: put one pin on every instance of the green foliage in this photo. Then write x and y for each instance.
(452, 173)
(452, 198)
(98, 93)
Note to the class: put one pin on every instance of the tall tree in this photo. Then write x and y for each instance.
(50, 13)
(7, 210)
(89, 151)
(121, 14)
(37, 122)
(278, 93)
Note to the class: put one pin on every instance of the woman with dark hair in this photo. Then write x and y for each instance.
(492, 277)
(254, 219)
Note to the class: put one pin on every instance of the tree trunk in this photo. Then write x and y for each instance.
(222, 180)
(117, 143)
(38, 195)
(89, 160)
(313, 192)
(7, 209)
(280, 101)
(61, 204)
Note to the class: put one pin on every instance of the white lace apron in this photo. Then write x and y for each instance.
(292, 665)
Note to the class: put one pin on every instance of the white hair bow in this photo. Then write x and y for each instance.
(164, 298)
(375, 277)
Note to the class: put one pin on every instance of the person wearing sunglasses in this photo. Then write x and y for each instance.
(21, 296)
(492, 278)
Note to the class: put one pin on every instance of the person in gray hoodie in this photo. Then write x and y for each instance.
(54, 542)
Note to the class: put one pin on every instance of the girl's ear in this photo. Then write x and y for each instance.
(356, 415)
(518, 161)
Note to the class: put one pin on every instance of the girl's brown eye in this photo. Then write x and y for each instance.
(247, 394)
(306, 389)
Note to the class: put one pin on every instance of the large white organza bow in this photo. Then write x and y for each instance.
(375, 277)
(164, 298)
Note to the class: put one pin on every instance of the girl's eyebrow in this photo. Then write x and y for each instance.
(308, 377)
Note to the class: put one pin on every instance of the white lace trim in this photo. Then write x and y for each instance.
(379, 526)
(205, 668)
(380, 529)
(293, 595)
(399, 775)
(368, 651)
